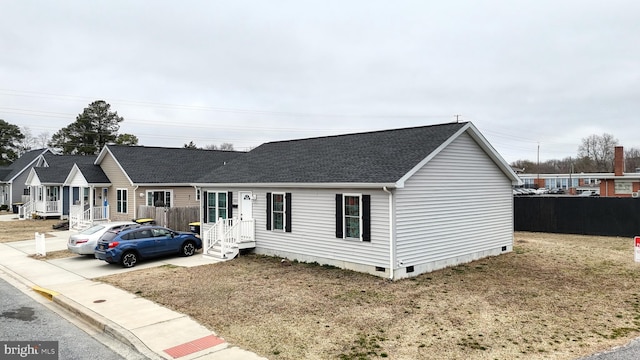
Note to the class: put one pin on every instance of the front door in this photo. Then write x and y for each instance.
(246, 205)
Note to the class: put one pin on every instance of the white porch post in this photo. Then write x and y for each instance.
(92, 202)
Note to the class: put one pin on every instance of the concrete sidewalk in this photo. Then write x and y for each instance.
(153, 330)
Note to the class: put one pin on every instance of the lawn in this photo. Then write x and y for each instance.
(24, 229)
(554, 296)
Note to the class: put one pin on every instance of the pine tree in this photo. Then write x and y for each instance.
(95, 127)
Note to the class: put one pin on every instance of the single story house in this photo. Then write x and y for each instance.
(12, 178)
(394, 203)
(50, 195)
(154, 176)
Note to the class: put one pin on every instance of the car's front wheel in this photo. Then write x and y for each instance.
(188, 248)
(129, 259)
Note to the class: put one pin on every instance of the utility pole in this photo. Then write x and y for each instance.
(538, 181)
(457, 118)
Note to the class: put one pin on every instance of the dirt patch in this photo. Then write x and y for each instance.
(17, 230)
(554, 296)
(54, 255)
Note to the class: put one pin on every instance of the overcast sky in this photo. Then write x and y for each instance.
(526, 72)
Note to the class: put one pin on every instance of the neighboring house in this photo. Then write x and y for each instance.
(155, 176)
(12, 178)
(50, 196)
(393, 203)
(616, 184)
(88, 195)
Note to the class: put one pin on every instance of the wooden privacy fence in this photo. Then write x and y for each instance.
(578, 215)
(177, 218)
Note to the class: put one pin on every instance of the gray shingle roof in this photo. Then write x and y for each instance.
(372, 157)
(60, 166)
(51, 175)
(67, 161)
(158, 165)
(93, 174)
(20, 164)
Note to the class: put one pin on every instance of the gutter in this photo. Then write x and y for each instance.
(391, 237)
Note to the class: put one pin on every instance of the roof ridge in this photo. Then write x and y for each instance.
(367, 132)
(169, 148)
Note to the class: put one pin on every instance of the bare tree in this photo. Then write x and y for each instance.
(226, 146)
(43, 139)
(632, 159)
(223, 146)
(27, 142)
(600, 150)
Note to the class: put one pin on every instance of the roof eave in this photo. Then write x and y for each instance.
(300, 185)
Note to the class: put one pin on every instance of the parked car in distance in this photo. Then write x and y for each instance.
(84, 242)
(589, 193)
(128, 246)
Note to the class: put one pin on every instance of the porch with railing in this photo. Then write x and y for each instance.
(82, 216)
(25, 210)
(225, 238)
(45, 208)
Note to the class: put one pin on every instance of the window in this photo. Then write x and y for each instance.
(352, 220)
(279, 211)
(217, 205)
(159, 198)
(121, 201)
(53, 193)
(353, 216)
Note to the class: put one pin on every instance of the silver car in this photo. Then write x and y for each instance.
(84, 242)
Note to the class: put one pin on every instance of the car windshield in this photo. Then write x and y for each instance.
(92, 230)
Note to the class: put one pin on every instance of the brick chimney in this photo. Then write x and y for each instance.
(618, 161)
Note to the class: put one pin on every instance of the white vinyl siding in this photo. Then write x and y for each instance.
(459, 203)
(313, 217)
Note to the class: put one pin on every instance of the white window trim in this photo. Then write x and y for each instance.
(170, 191)
(125, 192)
(217, 209)
(344, 216)
(284, 212)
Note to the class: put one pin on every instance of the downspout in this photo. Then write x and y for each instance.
(391, 237)
(135, 205)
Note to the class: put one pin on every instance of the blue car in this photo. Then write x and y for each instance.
(130, 245)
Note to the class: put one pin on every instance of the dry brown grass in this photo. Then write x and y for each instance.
(52, 255)
(24, 229)
(554, 296)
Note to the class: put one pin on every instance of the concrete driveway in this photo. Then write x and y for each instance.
(91, 268)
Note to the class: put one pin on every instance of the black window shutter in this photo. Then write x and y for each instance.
(287, 200)
(366, 217)
(339, 220)
(268, 211)
(206, 206)
(230, 205)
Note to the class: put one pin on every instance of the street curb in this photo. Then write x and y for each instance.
(104, 325)
(86, 315)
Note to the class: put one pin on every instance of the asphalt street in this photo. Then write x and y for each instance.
(25, 318)
(630, 351)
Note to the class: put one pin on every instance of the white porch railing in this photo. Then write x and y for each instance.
(47, 207)
(227, 234)
(79, 217)
(25, 210)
